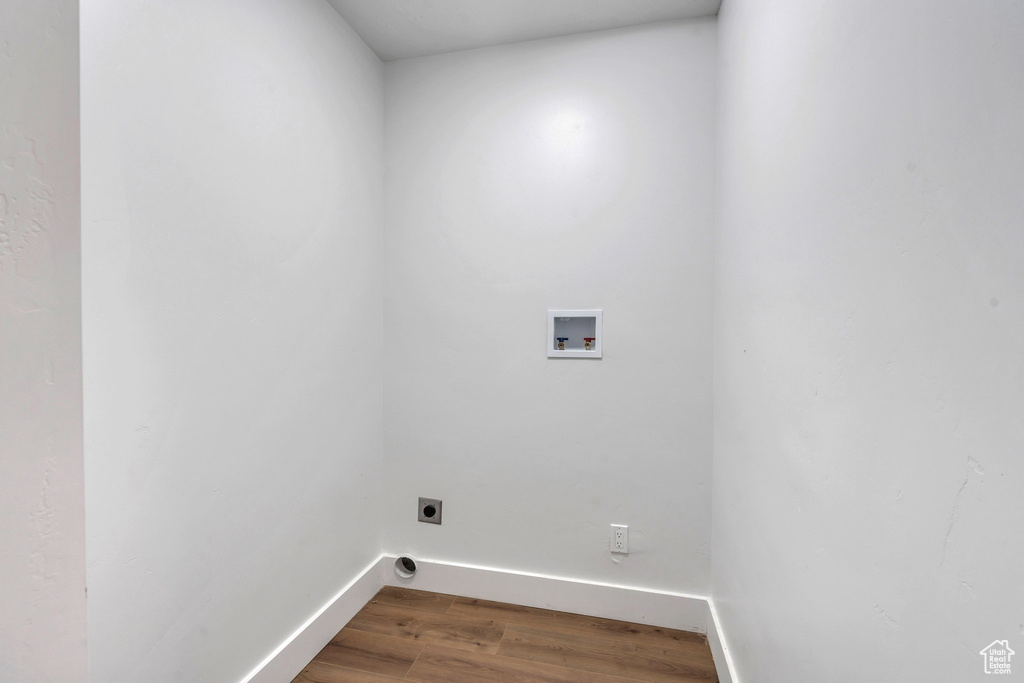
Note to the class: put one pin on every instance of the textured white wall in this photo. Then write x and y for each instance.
(232, 308)
(869, 369)
(566, 173)
(42, 549)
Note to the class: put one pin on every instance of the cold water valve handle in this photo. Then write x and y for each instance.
(561, 343)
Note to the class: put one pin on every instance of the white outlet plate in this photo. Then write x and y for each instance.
(620, 539)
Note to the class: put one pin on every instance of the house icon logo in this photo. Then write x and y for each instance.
(997, 657)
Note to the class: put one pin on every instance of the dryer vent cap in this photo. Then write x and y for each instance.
(405, 567)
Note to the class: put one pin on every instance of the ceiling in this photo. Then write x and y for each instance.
(396, 29)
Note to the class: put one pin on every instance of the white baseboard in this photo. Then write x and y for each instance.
(288, 660)
(719, 649)
(643, 606)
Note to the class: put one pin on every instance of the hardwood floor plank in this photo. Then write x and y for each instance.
(322, 672)
(404, 634)
(424, 600)
(444, 665)
(455, 631)
(606, 655)
(567, 622)
(370, 652)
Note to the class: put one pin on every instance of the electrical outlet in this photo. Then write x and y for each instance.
(429, 511)
(620, 539)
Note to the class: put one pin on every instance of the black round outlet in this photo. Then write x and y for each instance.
(429, 511)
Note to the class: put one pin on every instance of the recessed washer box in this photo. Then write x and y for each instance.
(574, 334)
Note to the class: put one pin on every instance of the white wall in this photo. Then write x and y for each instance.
(232, 308)
(566, 173)
(42, 550)
(869, 374)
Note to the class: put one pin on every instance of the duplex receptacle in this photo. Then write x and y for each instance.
(620, 539)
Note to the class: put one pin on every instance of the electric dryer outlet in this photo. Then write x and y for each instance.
(429, 510)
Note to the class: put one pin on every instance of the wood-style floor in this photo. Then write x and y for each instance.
(412, 635)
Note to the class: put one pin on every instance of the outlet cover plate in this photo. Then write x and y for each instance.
(421, 512)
